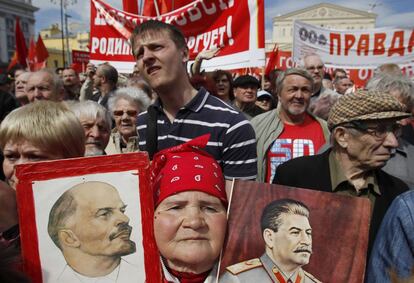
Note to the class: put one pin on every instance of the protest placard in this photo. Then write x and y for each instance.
(328, 235)
(88, 218)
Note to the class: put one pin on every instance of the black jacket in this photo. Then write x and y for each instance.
(312, 172)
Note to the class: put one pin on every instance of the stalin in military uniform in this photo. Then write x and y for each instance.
(288, 239)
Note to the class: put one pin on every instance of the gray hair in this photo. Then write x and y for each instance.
(139, 82)
(301, 63)
(292, 71)
(56, 80)
(388, 83)
(131, 94)
(90, 109)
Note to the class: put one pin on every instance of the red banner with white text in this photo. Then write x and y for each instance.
(234, 26)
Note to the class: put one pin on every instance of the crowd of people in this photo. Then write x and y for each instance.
(298, 127)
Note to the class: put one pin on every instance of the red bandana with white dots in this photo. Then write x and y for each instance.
(186, 168)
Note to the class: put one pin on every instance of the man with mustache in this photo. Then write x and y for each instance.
(97, 124)
(288, 246)
(88, 224)
(290, 130)
(365, 127)
(71, 84)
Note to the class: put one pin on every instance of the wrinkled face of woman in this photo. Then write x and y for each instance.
(20, 152)
(189, 230)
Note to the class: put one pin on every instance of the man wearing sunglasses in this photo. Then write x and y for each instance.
(364, 130)
(315, 67)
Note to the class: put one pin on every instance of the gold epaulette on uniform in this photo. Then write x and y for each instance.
(244, 266)
(311, 277)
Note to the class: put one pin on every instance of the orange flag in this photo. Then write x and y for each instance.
(14, 60)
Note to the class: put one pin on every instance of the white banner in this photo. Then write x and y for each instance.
(354, 49)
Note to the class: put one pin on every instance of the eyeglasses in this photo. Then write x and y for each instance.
(379, 131)
(131, 113)
(311, 68)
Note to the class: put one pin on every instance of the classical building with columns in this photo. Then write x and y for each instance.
(324, 15)
(9, 10)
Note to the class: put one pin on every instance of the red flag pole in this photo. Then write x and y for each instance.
(272, 59)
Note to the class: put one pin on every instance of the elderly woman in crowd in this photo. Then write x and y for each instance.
(39, 131)
(190, 214)
(97, 124)
(20, 88)
(125, 106)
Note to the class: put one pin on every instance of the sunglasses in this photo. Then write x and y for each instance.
(131, 113)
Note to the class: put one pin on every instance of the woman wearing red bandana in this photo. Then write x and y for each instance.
(190, 215)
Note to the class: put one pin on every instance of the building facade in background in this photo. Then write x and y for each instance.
(52, 38)
(9, 10)
(325, 15)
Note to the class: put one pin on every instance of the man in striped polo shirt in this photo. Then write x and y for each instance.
(183, 113)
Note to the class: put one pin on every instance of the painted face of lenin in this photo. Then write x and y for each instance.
(90, 217)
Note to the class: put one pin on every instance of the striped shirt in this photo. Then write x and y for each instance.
(232, 141)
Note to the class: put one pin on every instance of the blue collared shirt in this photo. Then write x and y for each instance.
(394, 245)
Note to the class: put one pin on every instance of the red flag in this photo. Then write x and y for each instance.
(41, 51)
(32, 52)
(130, 6)
(163, 6)
(272, 60)
(20, 44)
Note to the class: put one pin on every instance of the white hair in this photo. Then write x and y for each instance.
(131, 94)
(91, 110)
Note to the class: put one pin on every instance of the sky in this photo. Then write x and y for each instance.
(390, 12)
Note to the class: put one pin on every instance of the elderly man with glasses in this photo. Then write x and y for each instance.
(364, 129)
(315, 67)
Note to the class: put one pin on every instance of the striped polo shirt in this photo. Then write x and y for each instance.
(232, 141)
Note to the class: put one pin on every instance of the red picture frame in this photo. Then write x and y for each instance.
(27, 174)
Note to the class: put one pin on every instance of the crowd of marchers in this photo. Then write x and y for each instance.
(299, 127)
